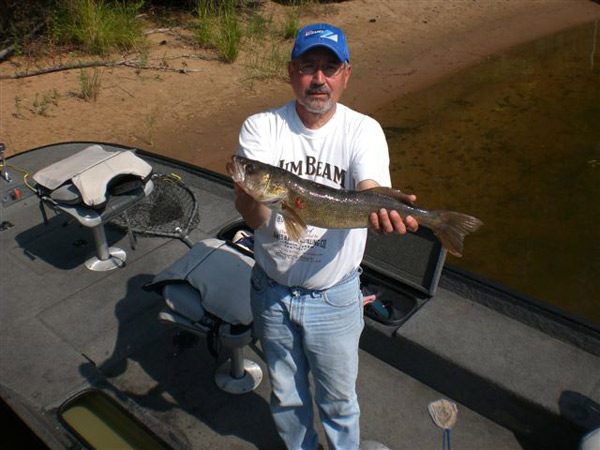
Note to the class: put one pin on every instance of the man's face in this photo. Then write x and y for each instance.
(318, 79)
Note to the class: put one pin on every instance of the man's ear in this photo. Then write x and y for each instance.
(347, 74)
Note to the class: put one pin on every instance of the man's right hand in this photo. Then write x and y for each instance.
(255, 214)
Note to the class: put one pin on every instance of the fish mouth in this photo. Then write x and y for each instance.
(235, 169)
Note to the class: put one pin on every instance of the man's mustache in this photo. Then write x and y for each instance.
(318, 90)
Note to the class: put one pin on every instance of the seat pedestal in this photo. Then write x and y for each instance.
(238, 375)
(107, 258)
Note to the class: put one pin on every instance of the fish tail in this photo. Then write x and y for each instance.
(452, 228)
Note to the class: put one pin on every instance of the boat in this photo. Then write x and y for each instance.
(86, 331)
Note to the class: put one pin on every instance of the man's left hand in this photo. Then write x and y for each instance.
(388, 222)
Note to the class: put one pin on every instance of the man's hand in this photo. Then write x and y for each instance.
(388, 222)
(254, 213)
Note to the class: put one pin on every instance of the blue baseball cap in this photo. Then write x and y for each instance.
(321, 35)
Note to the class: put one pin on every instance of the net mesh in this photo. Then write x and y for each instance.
(171, 210)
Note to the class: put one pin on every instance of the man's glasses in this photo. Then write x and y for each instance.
(330, 70)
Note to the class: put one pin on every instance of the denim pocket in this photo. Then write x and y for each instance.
(343, 294)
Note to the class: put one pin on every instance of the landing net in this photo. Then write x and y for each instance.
(171, 210)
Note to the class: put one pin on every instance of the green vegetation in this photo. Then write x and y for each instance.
(97, 26)
(104, 27)
(229, 37)
(39, 105)
(270, 66)
(149, 122)
(143, 58)
(291, 24)
(207, 9)
(257, 26)
(218, 27)
(90, 84)
(18, 114)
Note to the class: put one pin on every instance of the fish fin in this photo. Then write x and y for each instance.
(453, 228)
(391, 192)
(294, 224)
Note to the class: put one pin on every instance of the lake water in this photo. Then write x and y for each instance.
(515, 141)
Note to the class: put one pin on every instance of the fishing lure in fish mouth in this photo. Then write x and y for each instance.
(305, 202)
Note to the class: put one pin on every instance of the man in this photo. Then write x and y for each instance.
(306, 298)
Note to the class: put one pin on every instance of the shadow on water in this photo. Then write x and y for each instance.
(515, 141)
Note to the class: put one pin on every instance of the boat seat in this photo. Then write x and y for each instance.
(93, 186)
(207, 293)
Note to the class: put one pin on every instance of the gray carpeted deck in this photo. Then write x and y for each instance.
(65, 329)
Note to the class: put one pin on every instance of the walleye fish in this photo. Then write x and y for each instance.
(304, 202)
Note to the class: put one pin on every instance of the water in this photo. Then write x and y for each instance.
(515, 141)
(104, 425)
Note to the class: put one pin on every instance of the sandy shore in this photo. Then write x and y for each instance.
(397, 47)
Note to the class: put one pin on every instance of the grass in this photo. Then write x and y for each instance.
(96, 26)
(229, 37)
(291, 24)
(203, 34)
(40, 104)
(149, 122)
(212, 8)
(18, 114)
(225, 27)
(143, 59)
(257, 26)
(271, 65)
(218, 27)
(90, 83)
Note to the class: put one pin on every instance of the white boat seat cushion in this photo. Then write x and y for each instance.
(185, 300)
(90, 172)
(220, 273)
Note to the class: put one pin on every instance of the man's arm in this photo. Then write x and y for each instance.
(386, 222)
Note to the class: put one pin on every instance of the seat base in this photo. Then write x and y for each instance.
(115, 260)
(237, 375)
(247, 383)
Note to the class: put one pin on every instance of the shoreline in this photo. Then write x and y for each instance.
(409, 68)
(443, 55)
(397, 47)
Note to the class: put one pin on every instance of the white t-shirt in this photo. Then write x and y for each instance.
(348, 149)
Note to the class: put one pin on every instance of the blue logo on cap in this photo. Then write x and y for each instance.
(324, 34)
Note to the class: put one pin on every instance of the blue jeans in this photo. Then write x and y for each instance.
(304, 331)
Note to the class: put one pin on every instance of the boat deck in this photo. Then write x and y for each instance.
(65, 329)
